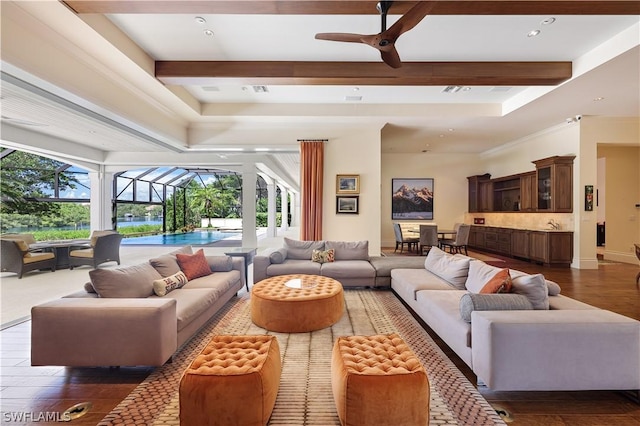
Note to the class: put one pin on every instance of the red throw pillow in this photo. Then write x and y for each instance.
(193, 265)
(500, 283)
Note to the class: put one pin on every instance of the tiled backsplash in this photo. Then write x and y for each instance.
(524, 220)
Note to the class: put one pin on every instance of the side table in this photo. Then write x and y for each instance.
(247, 253)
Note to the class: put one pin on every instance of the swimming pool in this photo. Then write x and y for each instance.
(196, 238)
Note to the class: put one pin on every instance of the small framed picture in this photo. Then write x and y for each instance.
(347, 184)
(347, 204)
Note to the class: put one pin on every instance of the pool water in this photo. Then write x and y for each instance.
(202, 238)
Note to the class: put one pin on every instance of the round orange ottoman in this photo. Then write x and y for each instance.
(296, 303)
(378, 380)
(234, 381)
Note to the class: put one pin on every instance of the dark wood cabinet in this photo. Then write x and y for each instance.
(554, 180)
(476, 237)
(520, 243)
(528, 192)
(548, 189)
(551, 248)
(478, 192)
(506, 194)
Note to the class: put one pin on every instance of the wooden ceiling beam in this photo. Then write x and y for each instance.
(363, 73)
(289, 7)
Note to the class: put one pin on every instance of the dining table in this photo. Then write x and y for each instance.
(61, 248)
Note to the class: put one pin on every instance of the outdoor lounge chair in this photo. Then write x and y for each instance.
(104, 248)
(16, 257)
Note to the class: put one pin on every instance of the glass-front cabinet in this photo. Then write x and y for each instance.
(554, 177)
(548, 189)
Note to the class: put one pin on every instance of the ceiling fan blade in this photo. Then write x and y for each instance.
(409, 20)
(350, 38)
(391, 57)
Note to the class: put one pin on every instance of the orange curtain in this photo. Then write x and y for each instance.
(311, 178)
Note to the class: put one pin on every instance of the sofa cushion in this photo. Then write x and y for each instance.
(194, 265)
(219, 263)
(22, 245)
(294, 266)
(453, 269)
(191, 303)
(167, 264)
(534, 287)
(301, 250)
(167, 284)
(220, 281)
(499, 283)
(323, 256)
(552, 287)
(492, 302)
(278, 256)
(348, 269)
(349, 250)
(131, 281)
(479, 275)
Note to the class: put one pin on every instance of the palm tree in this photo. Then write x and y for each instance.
(205, 199)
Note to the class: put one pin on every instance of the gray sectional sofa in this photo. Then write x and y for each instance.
(350, 264)
(130, 316)
(532, 338)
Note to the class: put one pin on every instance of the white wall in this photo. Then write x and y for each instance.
(355, 154)
(450, 187)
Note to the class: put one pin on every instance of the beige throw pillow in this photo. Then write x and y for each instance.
(166, 285)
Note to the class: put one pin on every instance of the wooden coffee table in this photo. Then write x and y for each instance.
(296, 303)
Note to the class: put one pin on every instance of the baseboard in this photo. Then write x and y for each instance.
(619, 256)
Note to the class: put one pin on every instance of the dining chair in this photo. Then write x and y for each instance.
(460, 242)
(16, 257)
(449, 240)
(105, 247)
(401, 240)
(428, 237)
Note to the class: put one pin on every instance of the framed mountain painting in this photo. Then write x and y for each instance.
(412, 199)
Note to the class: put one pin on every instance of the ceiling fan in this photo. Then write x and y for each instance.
(386, 39)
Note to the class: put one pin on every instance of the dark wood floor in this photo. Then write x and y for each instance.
(37, 391)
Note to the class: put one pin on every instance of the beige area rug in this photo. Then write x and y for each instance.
(305, 396)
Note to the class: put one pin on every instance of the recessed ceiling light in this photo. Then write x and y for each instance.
(466, 88)
(599, 98)
(355, 89)
(208, 33)
(533, 33)
(548, 21)
(451, 130)
(200, 20)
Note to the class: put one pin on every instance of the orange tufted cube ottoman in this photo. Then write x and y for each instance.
(378, 380)
(234, 381)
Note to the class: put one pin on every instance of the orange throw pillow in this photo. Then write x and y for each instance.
(500, 283)
(194, 265)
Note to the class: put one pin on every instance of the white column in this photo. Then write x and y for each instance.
(271, 208)
(295, 209)
(284, 208)
(101, 197)
(249, 177)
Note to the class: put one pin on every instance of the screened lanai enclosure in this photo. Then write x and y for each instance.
(42, 194)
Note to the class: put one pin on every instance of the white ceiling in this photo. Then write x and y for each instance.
(232, 116)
